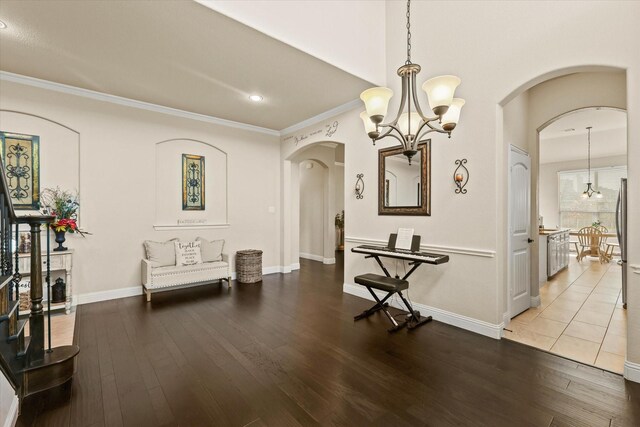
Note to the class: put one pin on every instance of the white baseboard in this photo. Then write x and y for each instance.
(312, 257)
(632, 371)
(328, 260)
(90, 297)
(536, 301)
(470, 324)
(295, 266)
(133, 291)
(12, 415)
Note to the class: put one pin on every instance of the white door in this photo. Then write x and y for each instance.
(519, 231)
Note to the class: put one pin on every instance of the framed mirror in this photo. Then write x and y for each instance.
(403, 188)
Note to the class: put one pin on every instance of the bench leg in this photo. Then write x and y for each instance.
(148, 295)
(229, 282)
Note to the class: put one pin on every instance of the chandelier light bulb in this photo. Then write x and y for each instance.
(369, 126)
(452, 116)
(376, 101)
(585, 195)
(409, 125)
(440, 91)
(599, 195)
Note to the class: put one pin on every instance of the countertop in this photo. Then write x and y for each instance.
(550, 231)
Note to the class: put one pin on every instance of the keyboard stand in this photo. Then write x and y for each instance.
(414, 266)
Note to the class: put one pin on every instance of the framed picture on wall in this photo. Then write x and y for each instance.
(192, 182)
(21, 160)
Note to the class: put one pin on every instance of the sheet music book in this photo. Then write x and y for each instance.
(404, 239)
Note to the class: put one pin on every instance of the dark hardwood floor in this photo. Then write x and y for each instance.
(288, 353)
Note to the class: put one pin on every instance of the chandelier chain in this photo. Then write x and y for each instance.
(408, 32)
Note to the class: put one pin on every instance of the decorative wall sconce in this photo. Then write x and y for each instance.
(359, 186)
(461, 176)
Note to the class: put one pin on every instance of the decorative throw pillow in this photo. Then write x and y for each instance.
(211, 250)
(188, 253)
(160, 254)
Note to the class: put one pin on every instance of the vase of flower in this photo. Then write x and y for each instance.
(64, 206)
(60, 238)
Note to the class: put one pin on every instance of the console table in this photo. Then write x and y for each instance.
(60, 261)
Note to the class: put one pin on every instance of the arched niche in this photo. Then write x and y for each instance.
(170, 214)
(59, 150)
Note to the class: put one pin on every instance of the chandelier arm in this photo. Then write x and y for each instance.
(392, 127)
(433, 128)
(402, 140)
(415, 99)
(403, 100)
(430, 131)
(419, 132)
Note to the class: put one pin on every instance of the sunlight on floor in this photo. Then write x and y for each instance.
(62, 327)
(580, 316)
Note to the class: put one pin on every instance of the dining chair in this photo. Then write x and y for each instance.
(603, 241)
(589, 239)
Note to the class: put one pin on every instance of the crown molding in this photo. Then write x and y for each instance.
(322, 116)
(104, 97)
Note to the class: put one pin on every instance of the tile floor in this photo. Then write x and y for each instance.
(580, 316)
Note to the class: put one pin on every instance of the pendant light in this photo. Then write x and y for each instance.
(590, 191)
(411, 126)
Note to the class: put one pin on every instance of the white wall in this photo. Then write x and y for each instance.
(320, 28)
(548, 181)
(516, 122)
(312, 209)
(117, 182)
(8, 403)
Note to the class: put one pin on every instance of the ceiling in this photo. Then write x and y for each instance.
(566, 138)
(177, 54)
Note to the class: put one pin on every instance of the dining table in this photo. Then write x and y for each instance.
(594, 248)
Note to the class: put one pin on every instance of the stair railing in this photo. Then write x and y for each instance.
(27, 364)
(9, 266)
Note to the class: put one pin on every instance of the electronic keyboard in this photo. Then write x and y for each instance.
(423, 257)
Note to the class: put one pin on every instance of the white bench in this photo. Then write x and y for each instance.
(158, 279)
(169, 277)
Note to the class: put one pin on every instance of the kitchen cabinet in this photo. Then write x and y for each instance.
(557, 252)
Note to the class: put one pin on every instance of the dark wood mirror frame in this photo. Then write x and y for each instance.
(424, 209)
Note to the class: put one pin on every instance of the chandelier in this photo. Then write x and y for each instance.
(586, 194)
(410, 127)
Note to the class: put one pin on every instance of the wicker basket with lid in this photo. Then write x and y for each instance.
(249, 266)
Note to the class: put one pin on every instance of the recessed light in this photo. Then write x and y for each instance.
(2, 25)
(569, 130)
(255, 98)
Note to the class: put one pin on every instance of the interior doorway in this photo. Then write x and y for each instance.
(317, 188)
(581, 315)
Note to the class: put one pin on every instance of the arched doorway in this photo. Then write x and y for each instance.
(557, 325)
(316, 189)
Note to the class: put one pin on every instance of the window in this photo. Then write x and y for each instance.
(576, 212)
